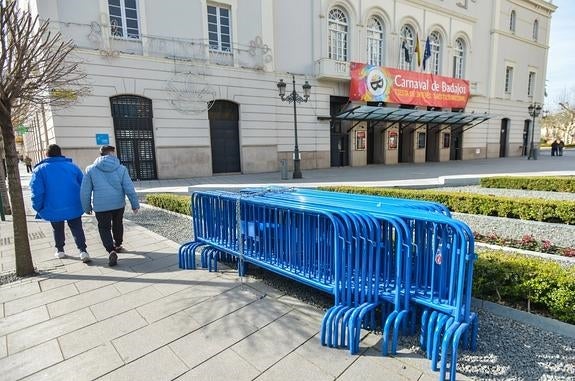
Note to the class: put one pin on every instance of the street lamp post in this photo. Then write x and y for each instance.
(534, 111)
(295, 98)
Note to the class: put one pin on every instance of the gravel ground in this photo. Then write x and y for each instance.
(512, 192)
(559, 234)
(507, 350)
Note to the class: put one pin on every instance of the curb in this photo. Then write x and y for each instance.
(550, 257)
(533, 320)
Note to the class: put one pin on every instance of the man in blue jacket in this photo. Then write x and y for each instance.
(110, 183)
(55, 187)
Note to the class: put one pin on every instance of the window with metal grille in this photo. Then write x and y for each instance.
(531, 84)
(459, 59)
(435, 44)
(407, 38)
(512, 21)
(337, 26)
(508, 79)
(219, 29)
(124, 18)
(375, 38)
(535, 30)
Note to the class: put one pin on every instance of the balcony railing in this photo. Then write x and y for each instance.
(332, 69)
(96, 36)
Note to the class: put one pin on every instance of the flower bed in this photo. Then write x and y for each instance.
(527, 242)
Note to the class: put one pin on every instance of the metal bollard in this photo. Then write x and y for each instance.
(284, 169)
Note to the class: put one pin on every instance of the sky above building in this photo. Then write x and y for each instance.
(561, 62)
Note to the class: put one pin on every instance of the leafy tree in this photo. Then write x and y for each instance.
(36, 69)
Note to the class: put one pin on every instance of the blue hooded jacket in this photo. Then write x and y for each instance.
(110, 183)
(55, 186)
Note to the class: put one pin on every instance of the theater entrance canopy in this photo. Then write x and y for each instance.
(407, 116)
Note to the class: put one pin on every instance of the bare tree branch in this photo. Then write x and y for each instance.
(34, 61)
(36, 70)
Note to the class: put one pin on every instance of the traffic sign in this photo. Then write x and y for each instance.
(21, 129)
(102, 139)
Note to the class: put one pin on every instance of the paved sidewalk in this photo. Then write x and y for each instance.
(148, 320)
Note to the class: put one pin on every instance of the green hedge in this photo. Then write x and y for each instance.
(557, 211)
(550, 184)
(518, 280)
(172, 202)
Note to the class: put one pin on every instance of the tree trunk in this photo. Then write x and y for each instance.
(3, 188)
(24, 264)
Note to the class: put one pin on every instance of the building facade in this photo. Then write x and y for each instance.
(189, 88)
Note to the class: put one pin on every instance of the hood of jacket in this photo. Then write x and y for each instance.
(107, 163)
(53, 159)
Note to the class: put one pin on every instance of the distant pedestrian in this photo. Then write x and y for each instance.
(554, 147)
(104, 190)
(28, 163)
(560, 147)
(55, 186)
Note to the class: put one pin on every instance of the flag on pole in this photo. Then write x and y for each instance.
(406, 54)
(417, 50)
(427, 52)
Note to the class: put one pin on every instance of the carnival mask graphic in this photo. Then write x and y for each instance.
(376, 83)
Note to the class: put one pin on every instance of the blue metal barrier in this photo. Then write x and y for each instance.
(391, 264)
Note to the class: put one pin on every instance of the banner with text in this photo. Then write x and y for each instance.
(383, 84)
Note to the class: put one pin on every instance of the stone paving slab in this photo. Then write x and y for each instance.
(275, 341)
(100, 333)
(21, 364)
(155, 335)
(162, 364)
(226, 365)
(299, 368)
(49, 329)
(86, 366)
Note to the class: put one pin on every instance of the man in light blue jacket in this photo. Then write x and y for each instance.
(55, 186)
(110, 183)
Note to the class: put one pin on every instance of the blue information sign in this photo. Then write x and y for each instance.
(102, 139)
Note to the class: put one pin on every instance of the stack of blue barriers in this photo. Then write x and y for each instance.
(392, 265)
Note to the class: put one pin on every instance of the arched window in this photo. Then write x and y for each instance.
(512, 20)
(535, 30)
(435, 44)
(459, 59)
(375, 36)
(407, 40)
(338, 29)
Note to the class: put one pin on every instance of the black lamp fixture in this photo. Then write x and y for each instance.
(295, 98)
(534, 111)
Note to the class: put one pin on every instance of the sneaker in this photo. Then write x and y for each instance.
(85, 257)
(120, 249)
(60, 254)
(113, 259)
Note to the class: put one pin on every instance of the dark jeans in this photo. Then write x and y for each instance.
(111, 228)
(75, 226)
(28, 168)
